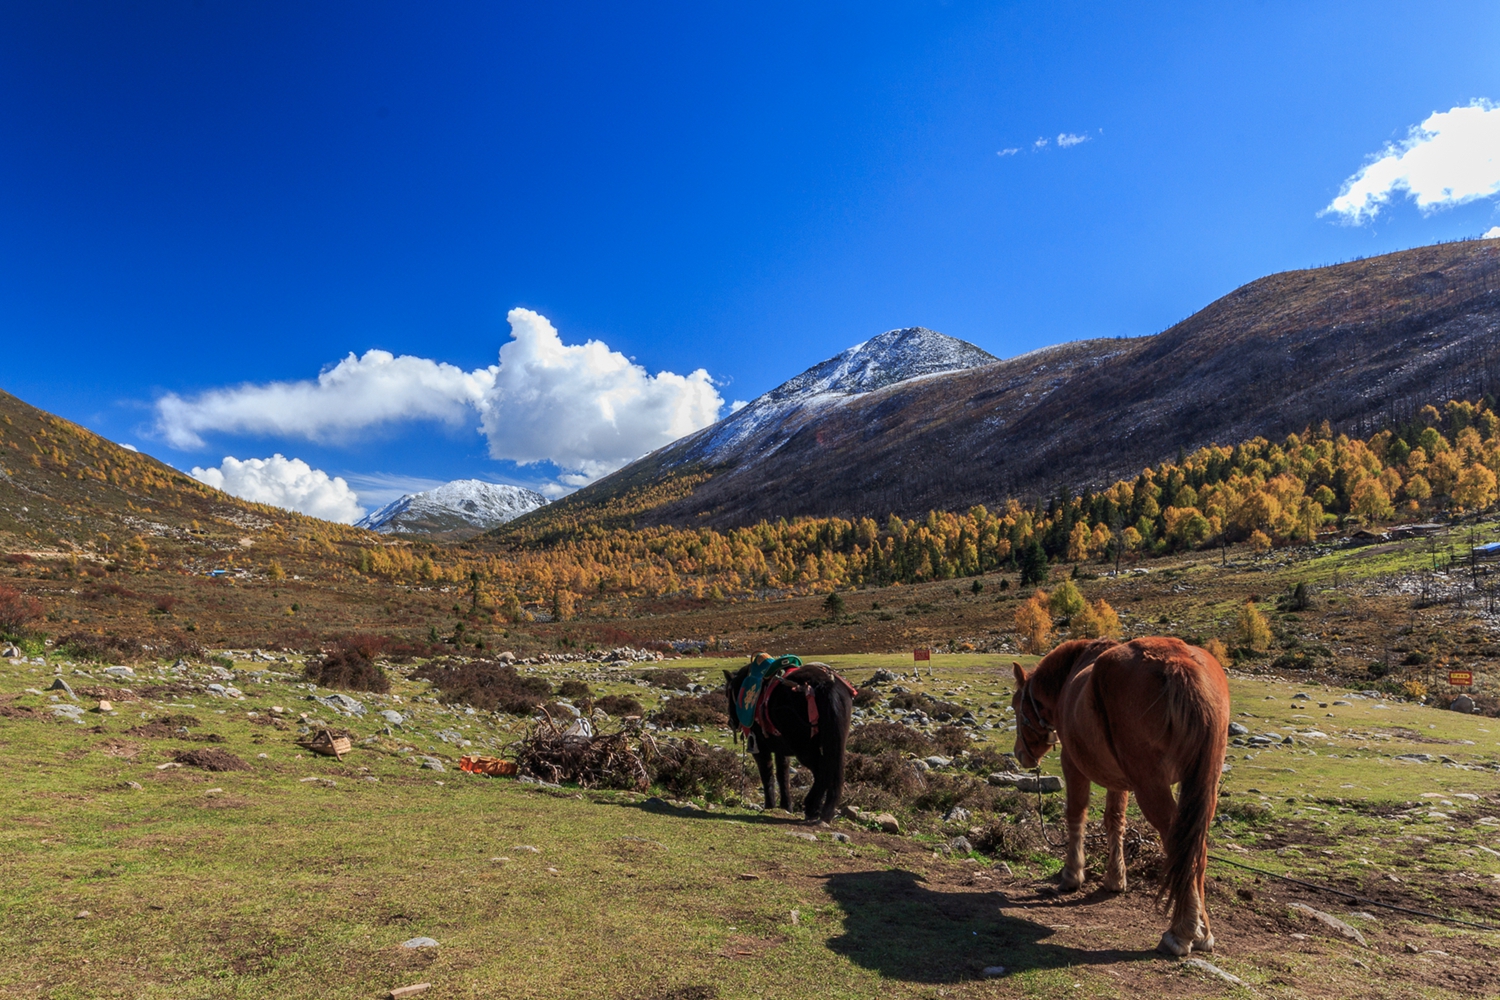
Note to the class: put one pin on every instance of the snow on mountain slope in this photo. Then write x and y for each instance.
(464, 506)
(894, 356)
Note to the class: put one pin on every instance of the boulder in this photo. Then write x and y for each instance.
(1463, 703)
(1028, 782)
(888, 823)
(1235, 729)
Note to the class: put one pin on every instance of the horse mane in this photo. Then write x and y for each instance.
(1057, 666)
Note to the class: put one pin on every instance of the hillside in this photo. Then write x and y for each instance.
(1355, 344)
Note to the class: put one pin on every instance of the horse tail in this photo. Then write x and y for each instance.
(1199, 720)
(836, 736)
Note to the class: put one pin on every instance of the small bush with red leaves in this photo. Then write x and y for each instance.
(17, 612)
(350, 666)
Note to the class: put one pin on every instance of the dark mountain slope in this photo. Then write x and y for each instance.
(1351, 344)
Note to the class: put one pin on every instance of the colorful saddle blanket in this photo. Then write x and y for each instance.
(748, 699)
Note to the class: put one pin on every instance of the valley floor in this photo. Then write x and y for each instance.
(303, 876)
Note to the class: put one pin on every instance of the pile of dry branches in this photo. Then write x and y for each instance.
(603, 761)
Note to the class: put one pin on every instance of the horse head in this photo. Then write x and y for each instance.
(1034, 733)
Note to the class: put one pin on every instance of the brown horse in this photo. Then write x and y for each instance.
(1137, 716)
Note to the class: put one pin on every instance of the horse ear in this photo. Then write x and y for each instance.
(728, 676)
(1020, 674)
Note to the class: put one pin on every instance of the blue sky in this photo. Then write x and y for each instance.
(201, 196)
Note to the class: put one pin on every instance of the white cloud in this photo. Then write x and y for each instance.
(285, 482)
(1040, 143)
(376, 489)
(1451, 158)
(1492, 233)
(1065, 139)
(129, 447)
(583, 407)
(1008, 151)
(354, 394)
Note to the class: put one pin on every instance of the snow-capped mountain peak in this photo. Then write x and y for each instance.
(462, 507)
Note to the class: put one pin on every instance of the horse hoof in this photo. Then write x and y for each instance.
(1204, 943)
(1070, 882)
(1114, 884)
(1171, 946)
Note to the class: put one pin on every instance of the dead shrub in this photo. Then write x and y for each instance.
(878, 737)
(1010, 840)
(865, 697)
(691, 768)
(488, 686)
(890, 773)
(350, 666)
(952, 740)
(605, 761)
(17, 612)
(668, 677)
(711, 709)
(574, 690)
(619, 704)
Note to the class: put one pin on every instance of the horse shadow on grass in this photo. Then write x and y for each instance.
(897, 925)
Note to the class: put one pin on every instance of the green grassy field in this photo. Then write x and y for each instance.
(302, 875)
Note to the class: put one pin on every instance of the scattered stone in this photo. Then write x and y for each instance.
(1028, 782)
(1344, 704)
(960, 845)
(1204, 965)
(991, 971)
(419, 942)
(882, 676)
(937, 761)
(888, 823)
(842, 838)
(135, 786)
(119, 671)
(1416, 758)
(409, 991)
(1463, 703)
(1236, 729)
(58, 684)
(338, 702)
(958, 814)
(393, 717)
(1333, 922)
(74, 712)
(803, 836)
(82, 915)
(168, 764)
(105, 706)
(527, 848)
(11, 651)
(748, 877)
(432, 764)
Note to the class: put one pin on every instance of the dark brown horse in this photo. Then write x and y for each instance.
(806, 715)
(1139, 717)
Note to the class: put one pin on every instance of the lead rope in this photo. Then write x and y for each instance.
(1040, 816)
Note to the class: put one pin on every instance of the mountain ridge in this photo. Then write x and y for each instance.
(454, 511)
(1351, 343)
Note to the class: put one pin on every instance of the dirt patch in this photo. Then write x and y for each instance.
(20, 712)
(211, 760)
(123, 749)
(108, 693)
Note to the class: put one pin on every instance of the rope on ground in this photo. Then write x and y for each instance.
(1350, 895)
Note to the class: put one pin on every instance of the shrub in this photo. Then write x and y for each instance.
(692, 768)
(952, 740)
(833, 605)
(166, 603)
(711, 709)
(1009, 840)
(670, 678)
(886, 771)
(1414, 689)
(488, 686)
(573, 690)
(1218, 651)
(619, 704)
(350, 665)
(880, 737)
(865, 697)
(17, 612)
